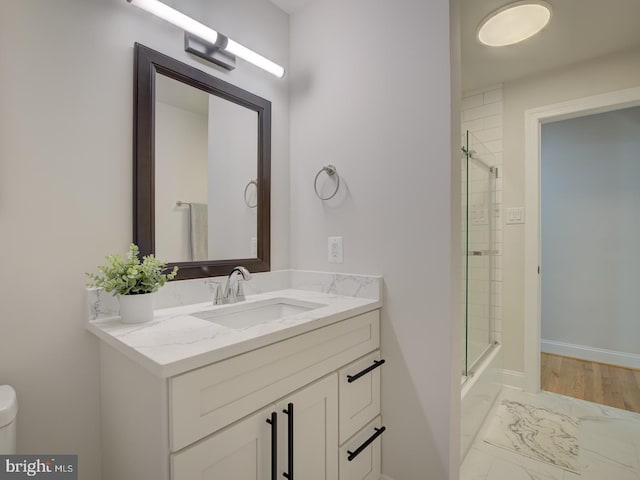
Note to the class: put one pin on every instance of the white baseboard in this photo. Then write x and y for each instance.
(600, 355)
(513, 379)
(384, 477)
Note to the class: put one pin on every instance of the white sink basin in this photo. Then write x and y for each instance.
(245, 315)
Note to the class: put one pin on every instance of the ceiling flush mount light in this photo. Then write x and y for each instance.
(514, 23)
(206, 42)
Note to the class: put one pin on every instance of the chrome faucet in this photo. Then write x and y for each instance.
(232, 291)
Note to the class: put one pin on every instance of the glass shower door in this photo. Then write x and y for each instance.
(479, 239)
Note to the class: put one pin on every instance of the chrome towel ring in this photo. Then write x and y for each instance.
(252, 182)
(330, 170)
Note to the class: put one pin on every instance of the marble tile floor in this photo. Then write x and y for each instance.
(608, 440)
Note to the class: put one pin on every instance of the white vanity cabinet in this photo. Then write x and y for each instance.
(301, 406)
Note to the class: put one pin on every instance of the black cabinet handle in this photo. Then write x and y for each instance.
(376, 364)
(359, 450)
(289, 411)
(273, 421)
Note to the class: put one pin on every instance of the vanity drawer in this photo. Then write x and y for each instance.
(358, 463)
(359, 397)
(207, 399)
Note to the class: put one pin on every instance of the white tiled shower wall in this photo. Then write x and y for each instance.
(482, 116)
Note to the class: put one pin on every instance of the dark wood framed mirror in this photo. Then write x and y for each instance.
(201, 193)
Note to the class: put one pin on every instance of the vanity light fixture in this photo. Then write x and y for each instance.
(514, 23)
(206, 42)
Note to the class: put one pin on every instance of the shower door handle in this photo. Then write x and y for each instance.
(482, 253)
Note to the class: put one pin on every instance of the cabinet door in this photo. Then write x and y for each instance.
(315, 432)
(240, 452)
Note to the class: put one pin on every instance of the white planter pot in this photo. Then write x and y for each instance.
(136, 308)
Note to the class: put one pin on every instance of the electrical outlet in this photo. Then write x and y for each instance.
(336, 254)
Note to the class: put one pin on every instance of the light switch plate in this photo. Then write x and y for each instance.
(336, 254)
(515, 215)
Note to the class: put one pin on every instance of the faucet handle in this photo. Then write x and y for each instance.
(215, 288)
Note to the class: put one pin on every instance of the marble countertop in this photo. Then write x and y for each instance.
(175, 341)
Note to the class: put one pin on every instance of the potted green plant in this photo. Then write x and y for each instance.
(134, 282)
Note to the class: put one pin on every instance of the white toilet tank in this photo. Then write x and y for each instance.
(8, 411)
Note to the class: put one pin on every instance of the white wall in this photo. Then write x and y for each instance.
(599, 76)
(381, 115)
(590, 229)
(66, 76)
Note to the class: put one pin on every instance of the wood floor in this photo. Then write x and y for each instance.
(596, 382)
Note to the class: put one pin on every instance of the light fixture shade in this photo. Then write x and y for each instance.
(258, 60)
(207, 34)
(168, 14)
(514, 23)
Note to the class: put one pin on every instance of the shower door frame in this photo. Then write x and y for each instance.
(534, 118)
(469, 367)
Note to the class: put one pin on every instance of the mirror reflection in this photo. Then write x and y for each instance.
(206, 151)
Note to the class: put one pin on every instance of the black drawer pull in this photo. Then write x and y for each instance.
(273, 421)
(376, 364)
(359, 450)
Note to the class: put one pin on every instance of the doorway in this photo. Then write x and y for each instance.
(535, 119)
(590, 223)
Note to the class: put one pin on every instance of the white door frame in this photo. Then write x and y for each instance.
(533, 119)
